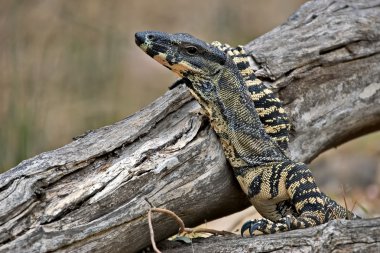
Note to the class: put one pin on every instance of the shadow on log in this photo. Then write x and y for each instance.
(93, 194)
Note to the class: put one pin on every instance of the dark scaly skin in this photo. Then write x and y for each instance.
(282, 191)
(269, 108)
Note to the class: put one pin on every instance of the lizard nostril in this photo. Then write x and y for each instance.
(150, 37)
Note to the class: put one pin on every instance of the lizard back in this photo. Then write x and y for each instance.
(269, 108)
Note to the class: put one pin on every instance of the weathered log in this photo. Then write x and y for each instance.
(335, 236)
(93, 194)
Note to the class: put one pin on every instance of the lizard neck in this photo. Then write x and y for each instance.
(233, 117)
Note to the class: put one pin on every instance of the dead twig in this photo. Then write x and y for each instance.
(179, 221)
(182, 228)
(151, 232)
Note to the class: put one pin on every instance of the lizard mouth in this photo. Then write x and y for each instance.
(150, 45)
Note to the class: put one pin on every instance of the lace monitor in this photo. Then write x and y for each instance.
(282, 191)
(268, 107)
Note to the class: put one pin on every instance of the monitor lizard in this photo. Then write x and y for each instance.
(269, 108)
(282, 191)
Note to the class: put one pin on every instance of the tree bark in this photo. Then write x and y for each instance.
(335, 236)
(93, 194)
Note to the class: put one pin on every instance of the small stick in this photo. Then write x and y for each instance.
(171, 214)
(208, 230)
(348, 215)
(152, 232)
(181, 224)
(182, 227)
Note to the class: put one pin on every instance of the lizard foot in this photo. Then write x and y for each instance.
(266, 226)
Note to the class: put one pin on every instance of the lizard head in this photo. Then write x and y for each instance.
(196, 61)
(183, 54)
(208, 72)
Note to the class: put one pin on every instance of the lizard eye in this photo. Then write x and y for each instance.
(151, 37)
(191, 50)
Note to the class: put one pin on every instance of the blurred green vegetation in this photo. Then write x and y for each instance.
(67, 66)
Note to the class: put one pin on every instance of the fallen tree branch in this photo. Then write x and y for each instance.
(93, 194)
(335, 236)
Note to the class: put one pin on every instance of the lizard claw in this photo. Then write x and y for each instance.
(251, 226)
